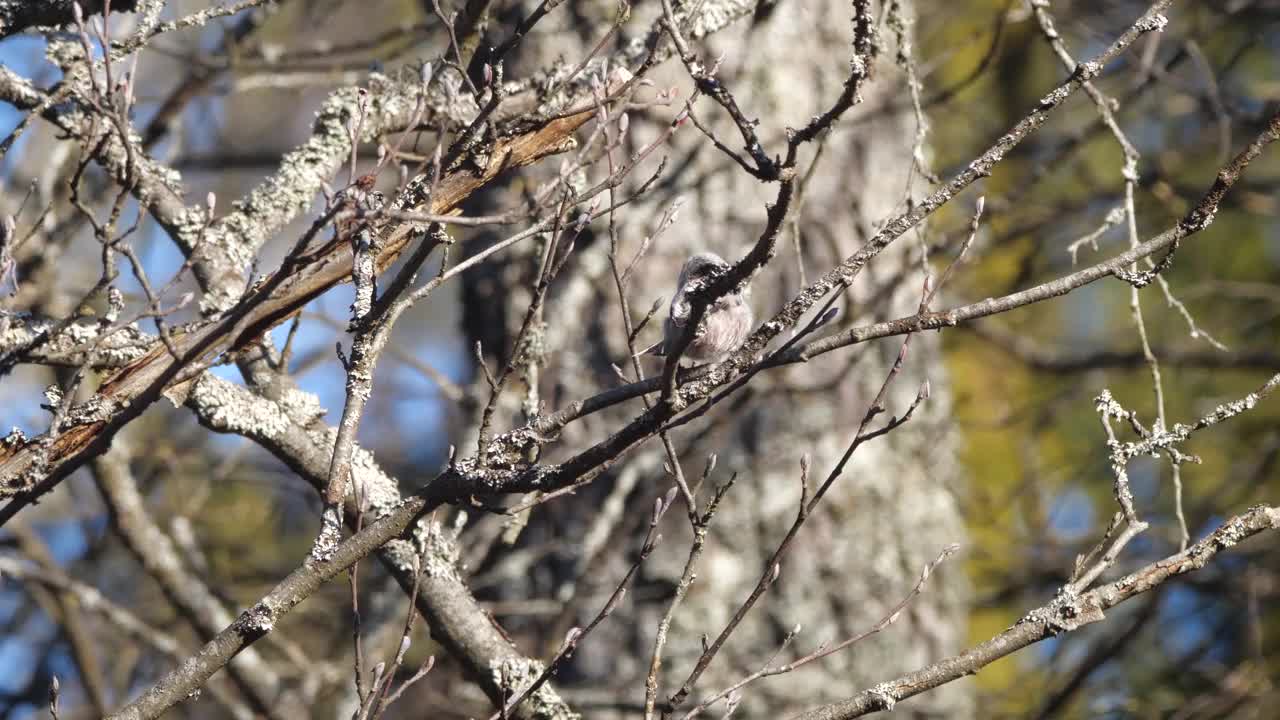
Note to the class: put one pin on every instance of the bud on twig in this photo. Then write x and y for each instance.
(570, 638)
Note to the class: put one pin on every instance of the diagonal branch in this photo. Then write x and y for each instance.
(1065, 614)
(302, 278)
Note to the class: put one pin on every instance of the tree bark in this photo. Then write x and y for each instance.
(892, 511)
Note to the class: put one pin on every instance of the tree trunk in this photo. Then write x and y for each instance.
(894, 508)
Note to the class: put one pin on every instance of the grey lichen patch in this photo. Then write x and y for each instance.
(14, 440)
(257, 620)
(1156, 23)
(1038, 616)
(557, 90)
(231, 243)
(302, 407)
(94, 410)
(440, 551)
(1066, 612)
(1055, 97)
(491, 478)
(228, 408)
(155, 182)
(19, 91)
(1063, 612)
(1088, 70)
(1273, 517)
(65, 52)
(503, 458)
(378, 490)
(533, 347)
(885, 694)
(291, 189)
(360, 378)
(1222, 412)
(1159, 440)
(514, 674)
(1230, 534)
(162, 179)
(714, 15)
(75, 344)
(53, 395)
(330, 537)
(400, 554)
(189, 226)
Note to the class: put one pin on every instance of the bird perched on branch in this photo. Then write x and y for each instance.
(724, 326)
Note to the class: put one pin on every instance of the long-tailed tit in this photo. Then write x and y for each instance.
(724, 326)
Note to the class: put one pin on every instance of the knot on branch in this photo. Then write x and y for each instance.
(502, 461)
(1199, 219)
(1087, 71)
(256, 621)
(1154, 23)
(1069, 611)
(1143, 278)
(884, 695)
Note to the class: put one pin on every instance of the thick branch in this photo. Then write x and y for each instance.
(288, 428)
(127, 393)
(18, 15)
(155, 551)
(262, 617)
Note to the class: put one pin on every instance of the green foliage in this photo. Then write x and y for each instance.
(1041, 485)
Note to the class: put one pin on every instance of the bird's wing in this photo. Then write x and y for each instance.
(679, 312)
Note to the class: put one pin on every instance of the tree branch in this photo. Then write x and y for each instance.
(1065, 614)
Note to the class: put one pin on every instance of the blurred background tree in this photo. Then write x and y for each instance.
(1024, 382)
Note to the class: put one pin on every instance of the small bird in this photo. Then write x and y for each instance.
(724, 326)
